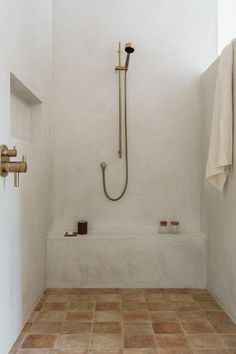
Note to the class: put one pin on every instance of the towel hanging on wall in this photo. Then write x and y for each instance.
(221, 140)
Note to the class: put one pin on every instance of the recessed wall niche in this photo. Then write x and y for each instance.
(26, 112)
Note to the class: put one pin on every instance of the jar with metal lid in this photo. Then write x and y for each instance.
(174, 227)
(163, 227)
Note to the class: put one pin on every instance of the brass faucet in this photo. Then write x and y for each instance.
(6, 165)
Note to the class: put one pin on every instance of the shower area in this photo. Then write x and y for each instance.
(110, 104)
(123, 115)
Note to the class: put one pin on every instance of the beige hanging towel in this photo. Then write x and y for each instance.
(221, 140)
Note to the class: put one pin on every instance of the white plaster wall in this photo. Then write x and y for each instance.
(175, 41)
(25, 50)
(218, 215)
(226, 22)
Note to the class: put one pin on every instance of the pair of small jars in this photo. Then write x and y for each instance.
(172, 228)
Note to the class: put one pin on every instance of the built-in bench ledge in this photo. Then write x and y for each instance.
(127, 260)
(59, 234)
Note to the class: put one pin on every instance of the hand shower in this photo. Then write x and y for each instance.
(129, 48)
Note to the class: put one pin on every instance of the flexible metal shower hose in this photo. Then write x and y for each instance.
(126, 150)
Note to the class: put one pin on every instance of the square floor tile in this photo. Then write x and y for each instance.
(39, 341)
(132, 306)
(84, 298)
(79, 316)
(59, 298)
(202, 297)
(140, 351)
(221, 322)
(129, 297)
(82, 306)
(107, 316)
(108, 298)
(106, 342)
(190, 316)
(107, 328)
(176, 341)
(186, 306)
(205, 341)
(139, 341)
(34, 351)
(137, 328)
(198, 327)
(76, 328)
(157, 297)
(181, 297)
(70, 351)
(72, 341)
(175, 351)
(136, 316)
(109, 351)
(167, 328)
(107, 306)
(45, 328)
(164, 316)
(211, 351)
(208, 305)
(49, 316)
(229, 340)
(55, 306)
(161, 306)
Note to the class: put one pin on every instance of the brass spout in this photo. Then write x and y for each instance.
(15, 166)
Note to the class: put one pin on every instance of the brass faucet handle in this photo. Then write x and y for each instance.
(16, 179)
(23, 164)
(9, 152)
(21, 167)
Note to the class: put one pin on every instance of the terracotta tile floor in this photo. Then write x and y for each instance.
(127, 321)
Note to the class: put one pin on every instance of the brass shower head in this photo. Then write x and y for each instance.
(129, 48)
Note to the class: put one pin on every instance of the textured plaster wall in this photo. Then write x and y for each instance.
(25, 50)
(175, 42)
(218, 214)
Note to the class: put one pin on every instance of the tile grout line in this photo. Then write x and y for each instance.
(150, 319)
(92, 324)
(122, 324)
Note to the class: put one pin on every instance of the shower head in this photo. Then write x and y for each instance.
(129, 48)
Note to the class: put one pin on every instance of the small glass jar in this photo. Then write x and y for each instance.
(163, 228)
(174, 227)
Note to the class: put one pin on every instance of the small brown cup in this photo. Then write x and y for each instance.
(82, 227)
